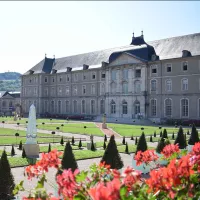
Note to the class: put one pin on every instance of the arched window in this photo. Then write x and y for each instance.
(92, 107)
(67, 107)
(184, 84)
(83, 106)
(125, 88)
(153, 107)
(59, 107)
(113, 88)
(52, 106)
(75, 106)
(184, 108)
(168, 107)
(168, 85)
(102, 89)
(137, 107)
(102, 106)
(124, 107)
(153, 85)
(137, 87)
(113, 107)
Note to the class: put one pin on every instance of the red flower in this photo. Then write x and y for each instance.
(145, 157)
(170, 149)
(107, 191)
(67, 183)
(196, 149)
(104, 165)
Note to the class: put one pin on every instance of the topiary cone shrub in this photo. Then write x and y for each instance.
(194, 137)
(173, 136)
(104, 145)
(68, 160)
(12, 151)
(136, 141)
(154, 134)
(132, 137)
(23, 153)
(49, 148)
(161, 134)
(142, 144)
(111, 155)
(73, 141)
(161, 145)
(6, 178)
(20, 145)
(105, 138)
(188, 133)
(165, 133)
(92, 146)
(151, 139)
(180, 139)
(123, 140)
(126, 149)
(80, 144)
(62, 141)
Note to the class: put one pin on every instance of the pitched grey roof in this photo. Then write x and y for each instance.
(164, 49)
(2, 93)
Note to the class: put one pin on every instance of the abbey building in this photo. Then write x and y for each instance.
(156, 80)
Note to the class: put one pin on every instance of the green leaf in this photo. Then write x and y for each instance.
(40, 183)
(18, 188)
(81, 176)
(79, 197)
(123, 191)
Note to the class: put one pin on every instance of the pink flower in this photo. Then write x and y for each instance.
(170, 149)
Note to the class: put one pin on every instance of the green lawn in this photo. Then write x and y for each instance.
(84, 154)
(8, 153)
(17, 161)
(135, 130)
(58, 147)
(78, 128)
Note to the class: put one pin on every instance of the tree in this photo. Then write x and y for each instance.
(123, 140)
(68, 160)
(104, 145)
(188, 133)
(173, 136)
(154, 134)
(165, 133)
(136, 141)
(111, 155)
(161, 134)
(92, 146)
(132, 137)
(180, 139)
(142, 144)
(20, 145)
(161, 145)
(151, 139)
(62, 141)
(194, 137)
(6, 178)
(23, 153)
(80, 144)
(12, 151)
(105, 138)
(126, 149)
(49, 148)
(73, 141)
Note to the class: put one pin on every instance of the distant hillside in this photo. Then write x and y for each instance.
(10, 81)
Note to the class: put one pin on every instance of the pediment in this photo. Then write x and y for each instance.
(7, 96)
(126, 58)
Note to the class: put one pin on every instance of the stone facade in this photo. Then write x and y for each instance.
(156, 80)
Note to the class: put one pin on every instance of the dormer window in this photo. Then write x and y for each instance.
(185, 65)
(103, 75)
(168, 67)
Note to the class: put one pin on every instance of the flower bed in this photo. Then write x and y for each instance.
(180, 179)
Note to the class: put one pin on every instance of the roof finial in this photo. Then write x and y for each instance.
(133, 34)
(142, 33)
(54, 56)
(45, 55)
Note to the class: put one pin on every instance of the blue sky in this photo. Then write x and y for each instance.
(31, 29)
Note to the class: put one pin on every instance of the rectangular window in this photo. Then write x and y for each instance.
(92, 89)
(185, 107)
(125, 74)
(185, 65)
(184, 84)
(125, 88)
(74, 90)
(45, 80)
(138, 73)
(154, 69)
(52, 91)
(75, 77)
(168, 67)
(59, 91)
(83, 89)
(113, 75)
(84, 77)
(60, 78)
(46, 92)
(68, 78)
(153, 107)
(53, 79)
(93, 75)
(103, 75)
(67, 90)
(35, 91)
